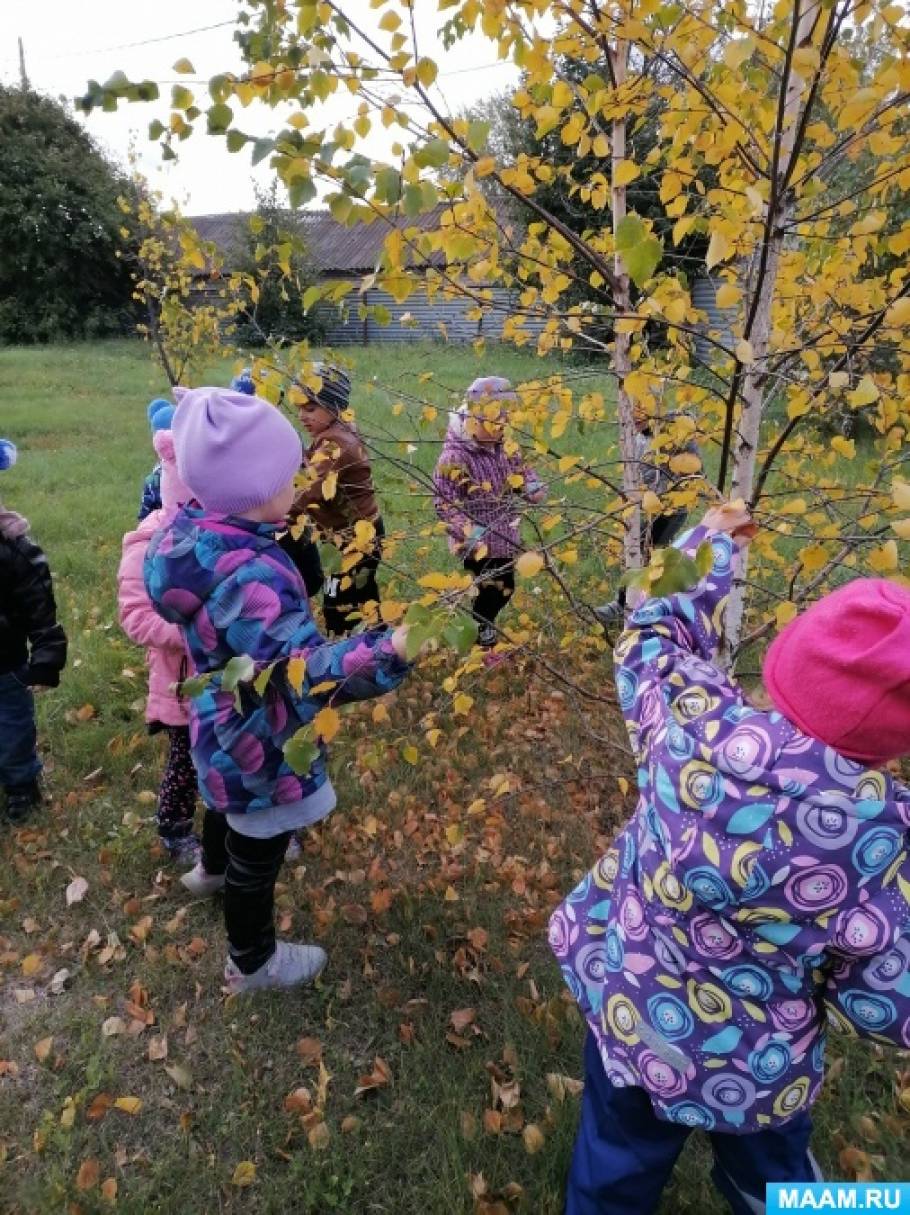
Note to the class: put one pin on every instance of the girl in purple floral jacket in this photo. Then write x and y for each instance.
(479, 477)
(762, 882)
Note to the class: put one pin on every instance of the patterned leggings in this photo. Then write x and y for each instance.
(177, 795)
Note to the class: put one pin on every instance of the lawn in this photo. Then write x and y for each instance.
(428, 1070)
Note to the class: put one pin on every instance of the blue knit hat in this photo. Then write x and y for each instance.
(244, 383)
(8, 454)
(160, 414)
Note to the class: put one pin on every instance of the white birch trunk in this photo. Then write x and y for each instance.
(622, 342)
(748, 431)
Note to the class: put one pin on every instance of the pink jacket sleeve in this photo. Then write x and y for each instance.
(138, 618)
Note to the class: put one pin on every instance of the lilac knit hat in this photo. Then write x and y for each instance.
(235, 452)
(490, 388)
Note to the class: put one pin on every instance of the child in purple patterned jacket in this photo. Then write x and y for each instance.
(478, 477)
(763, 881)
(216, 570)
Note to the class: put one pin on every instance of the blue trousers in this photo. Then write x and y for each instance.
(624, 1154)
(19, 762)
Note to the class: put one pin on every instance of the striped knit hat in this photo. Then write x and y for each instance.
(335, 393)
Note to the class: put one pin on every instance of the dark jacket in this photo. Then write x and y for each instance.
(32, 643)
(338, 487)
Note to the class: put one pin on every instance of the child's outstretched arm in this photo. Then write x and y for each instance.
(33, 592)
(662, 634)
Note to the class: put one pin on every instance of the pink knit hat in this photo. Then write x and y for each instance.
(233, 451)
(173, 491)
(841, 670)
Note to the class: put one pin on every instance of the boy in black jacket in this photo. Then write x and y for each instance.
(32, 653)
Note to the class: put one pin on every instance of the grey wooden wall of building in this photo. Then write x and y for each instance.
(419, 318)
(719, 321)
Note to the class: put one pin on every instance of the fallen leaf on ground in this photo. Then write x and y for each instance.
(43, 1048)
(113, 1026)
(109, 1189)
(319, 1137)
(76, 891)
(89, 1172)
(99, 1106)
(533, 1138)
(380, 1076)
(128, 1105)
(157, 1048)
(244, 1174)
(310, 1051)
(461, 1018)
(179, 1075)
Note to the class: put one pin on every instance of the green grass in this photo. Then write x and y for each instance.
(468, 886)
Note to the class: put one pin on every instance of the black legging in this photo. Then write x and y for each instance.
(304, 552)
(251, 868)
(495, 578)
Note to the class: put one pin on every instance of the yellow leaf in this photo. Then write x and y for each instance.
(784, 613)
(380, 714)
(461, 704)
(528, 565)
(31, 964)
(626, 171)
(533, 1138)
(389, 22)
(675, 310)
(43, 1049)
(902, 528)
(865, 393)
(719, 249)
(685, 464)
(844, 447)
(899, 313)
(900, 493)
(327, 723)
(409, 754)
(744, 352)
(184, 68)
(884, 560)
(329, 486)
(129, 1105)
(454, 833)
(728, 295)
(427, 72)
(839, 379)
(244, 1174)
(297, 673)
(813, 558)
(650, 503)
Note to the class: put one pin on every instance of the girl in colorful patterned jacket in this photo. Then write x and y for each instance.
(218, 573)
(762, 882)
(166, 710)
(479, 477)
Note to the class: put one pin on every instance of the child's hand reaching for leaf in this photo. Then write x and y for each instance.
(734, 519)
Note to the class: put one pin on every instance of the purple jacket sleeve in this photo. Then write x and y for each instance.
(450, 482)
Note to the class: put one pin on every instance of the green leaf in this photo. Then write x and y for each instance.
(181, 97)
(195, 685)
(236, 139)
(238, 670)
(330, 557)
(460, 633)
(433, 154)
(704, 558)
(630, 231)
(301, 191)
(340, 206)
(261, 149)
(478, 134)
(642, 261)
(156, 129)
(417, 614)
(388, 185)
(219, 118)
(300, 752)
(412, 201)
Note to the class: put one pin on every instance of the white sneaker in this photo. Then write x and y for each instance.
(200, 883)
(289, 966)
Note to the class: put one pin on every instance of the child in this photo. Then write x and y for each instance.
(338, 493)
(32, 653)
(476, 498)
(151, 487)
(165, 709)
(754, 886)
(218, 573)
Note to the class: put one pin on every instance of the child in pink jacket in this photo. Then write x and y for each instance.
(167, 661)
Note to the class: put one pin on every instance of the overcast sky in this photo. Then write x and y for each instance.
(68, 43)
